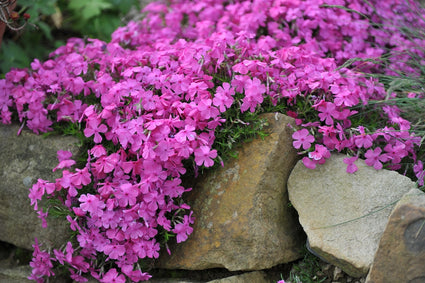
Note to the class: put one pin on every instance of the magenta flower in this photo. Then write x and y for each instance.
(64, 160)
(126, 194)
(319, 152)
(309, 163)
(183, 230)
(112, 276)
(351, 166)
(91, 204)
(327, 111)
(302, 139)
(204, 156)
(374, 158)
(419, 171)
(114, 251)
(94, 127)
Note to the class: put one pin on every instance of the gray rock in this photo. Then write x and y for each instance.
(17, 274)
(243, 221)
(401, 253)
(344, 215)
(254, 277)
(23, 160)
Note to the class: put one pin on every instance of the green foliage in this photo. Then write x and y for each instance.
(88, 9)
(307, 270)
(52, 22)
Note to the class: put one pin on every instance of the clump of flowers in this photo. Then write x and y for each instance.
(152, 100)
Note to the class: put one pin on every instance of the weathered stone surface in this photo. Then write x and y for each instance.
(17, 274)
(401, 253)
(243, 221)
(344, 215)
(254, 277)
(23, 160)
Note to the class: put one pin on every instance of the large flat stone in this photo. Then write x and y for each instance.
(243, 220)
(23, 160)
(344, 215)
(254, 277)
(401, 253)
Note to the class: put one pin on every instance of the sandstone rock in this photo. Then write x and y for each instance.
(401, 253)
(255, 277)
(24, 159)
(344, 215)
(243, 221)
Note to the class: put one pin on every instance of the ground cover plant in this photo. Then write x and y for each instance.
(175, 91)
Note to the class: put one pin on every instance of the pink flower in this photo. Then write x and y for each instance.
(183, 229)
(319, 152)
(327, 112)
(64, 160)
(224, 97)
(204, 155)
(309, 163)
(126, 194)
(302, 138)
(81, 177)
(94, 127)
(114, 251)
(419, 171)
(92, 204)
(112, 276)
(254, 90)
(374, 158)
(363, 140)
(351, 166)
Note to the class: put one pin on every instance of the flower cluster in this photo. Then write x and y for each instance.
(154, 96)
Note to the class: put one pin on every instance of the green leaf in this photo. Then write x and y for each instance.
(12, 55)
(89, 9)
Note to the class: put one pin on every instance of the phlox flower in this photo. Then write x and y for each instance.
(254, 90)
(187, 134)
(302, 138)
(319, 152)
(363, 140)
(126, 194)
(204, 156)
(94, 127)
(419, 171)
(309, 163)
(91, 204)
(112, 276)
(396, 152)
(327, 111)
(351, 166)
(374, 158)
(183, 230)
(223, 97)
(80, 177)
(41, 264)
(114, 251)
(64, 160)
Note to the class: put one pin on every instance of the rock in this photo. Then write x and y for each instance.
(243, 221)
(344, 215)
(255, 277)
(24, 159)
(171, 280)
(401, 253)
(17, 274)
